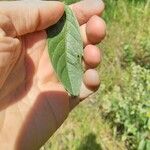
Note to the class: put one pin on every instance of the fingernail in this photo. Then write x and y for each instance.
(95, 5)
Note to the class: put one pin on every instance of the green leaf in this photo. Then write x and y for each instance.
(142, 145)
(148, 145)
(65, 49)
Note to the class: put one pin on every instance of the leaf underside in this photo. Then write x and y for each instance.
(65, 49)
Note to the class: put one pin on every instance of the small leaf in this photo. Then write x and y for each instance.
(148, 145)
(65, 49)
(142, 145)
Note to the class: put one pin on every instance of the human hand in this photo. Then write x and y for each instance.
(33, 103)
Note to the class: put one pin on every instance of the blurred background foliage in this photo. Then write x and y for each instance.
(117, 116)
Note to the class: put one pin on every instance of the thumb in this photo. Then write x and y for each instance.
(22, 17)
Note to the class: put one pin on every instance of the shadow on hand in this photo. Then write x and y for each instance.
(18, 83)
(20, 79)
(89, 143)
(44, 118)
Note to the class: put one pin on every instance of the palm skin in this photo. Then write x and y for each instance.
(33, 103)
(35, 90)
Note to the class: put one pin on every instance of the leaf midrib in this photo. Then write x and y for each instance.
(66, 44)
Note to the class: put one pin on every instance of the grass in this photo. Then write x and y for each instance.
(83, 130)
(126, 48)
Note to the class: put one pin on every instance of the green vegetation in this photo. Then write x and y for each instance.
(65, 36)
(125, 90)
(117, 117)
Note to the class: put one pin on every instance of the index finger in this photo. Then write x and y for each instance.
(85, 9)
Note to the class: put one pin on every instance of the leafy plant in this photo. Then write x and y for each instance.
(128, 55)
(128, 108)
